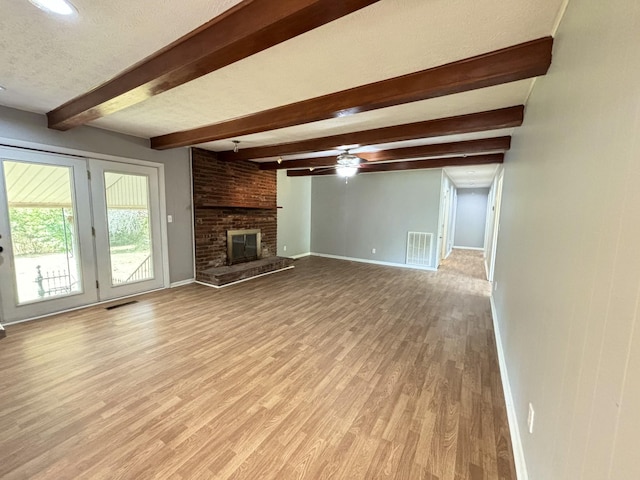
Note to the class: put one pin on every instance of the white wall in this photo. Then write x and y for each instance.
(448, 205)
(374, 210)
(294, 218)
(471, 217)
(453, 214)
(22, 128)
(568, 260)
(493, 222)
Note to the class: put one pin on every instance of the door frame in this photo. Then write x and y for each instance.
(86, 249)
(31, 146)
(497, 205)
(446, 220)
(107, 290)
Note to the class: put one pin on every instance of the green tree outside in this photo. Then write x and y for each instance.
(36, 231)
(41, 230)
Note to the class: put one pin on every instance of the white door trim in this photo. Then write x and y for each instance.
(23, 148)
(22, 145)
(11, 309)
(98, 168)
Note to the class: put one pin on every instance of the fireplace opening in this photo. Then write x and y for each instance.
(243, 246)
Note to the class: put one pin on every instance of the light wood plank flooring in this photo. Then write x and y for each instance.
(331, 370)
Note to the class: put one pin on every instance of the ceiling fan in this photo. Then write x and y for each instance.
(347, 164)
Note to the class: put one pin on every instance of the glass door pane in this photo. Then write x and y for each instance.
(43, 230)
(47, 263)
(126, 212)
(128, 220)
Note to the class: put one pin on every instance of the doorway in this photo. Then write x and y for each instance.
(448, 215)
(75, 231)
(493, 225)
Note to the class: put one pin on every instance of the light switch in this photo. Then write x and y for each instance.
(169, 218)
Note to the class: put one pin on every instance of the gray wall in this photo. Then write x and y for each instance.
(294, 218)
(568, 260)
(374, 210)
(471, 217)
(17, 126)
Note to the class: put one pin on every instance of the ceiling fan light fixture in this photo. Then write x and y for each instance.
(344, 171)
(348, 160)
(347, 164)
(59, 7)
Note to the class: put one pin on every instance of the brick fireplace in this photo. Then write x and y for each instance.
(230, 196)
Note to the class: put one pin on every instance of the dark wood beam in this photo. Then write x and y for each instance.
(246, 29)
(470, 147)
(409, 165)
(475, 122)
(510, 64)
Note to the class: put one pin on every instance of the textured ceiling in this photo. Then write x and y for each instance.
(477, 176)
(469, 102)
(387, 39)
(48, 60)
(389, 146)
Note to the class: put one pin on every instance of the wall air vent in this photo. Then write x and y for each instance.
(419, 248)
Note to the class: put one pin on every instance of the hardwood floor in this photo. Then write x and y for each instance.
(331, 370)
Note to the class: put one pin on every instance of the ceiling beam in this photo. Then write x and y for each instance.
(470, 147)
(509, 117)
(518, 62)
(246, 29)
(408, 165)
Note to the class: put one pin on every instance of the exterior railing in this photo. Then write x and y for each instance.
(54, 283)
(143, 272)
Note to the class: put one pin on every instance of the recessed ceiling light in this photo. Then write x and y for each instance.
(60, 7)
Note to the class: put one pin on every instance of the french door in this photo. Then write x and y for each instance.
(127, 228)
(75, 231)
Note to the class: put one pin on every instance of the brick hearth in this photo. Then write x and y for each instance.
(224, 275)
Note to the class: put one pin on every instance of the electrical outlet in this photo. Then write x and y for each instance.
(373, 250)
(495, 286)
(530, 418)
(284, 248)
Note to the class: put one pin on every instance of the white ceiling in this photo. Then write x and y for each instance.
(477, 176)
(49, 60)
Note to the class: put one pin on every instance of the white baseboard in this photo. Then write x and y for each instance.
(468, 248)
(300, 255)
(244, 279)
(182, 283)
(514, 429)
(375, 262)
